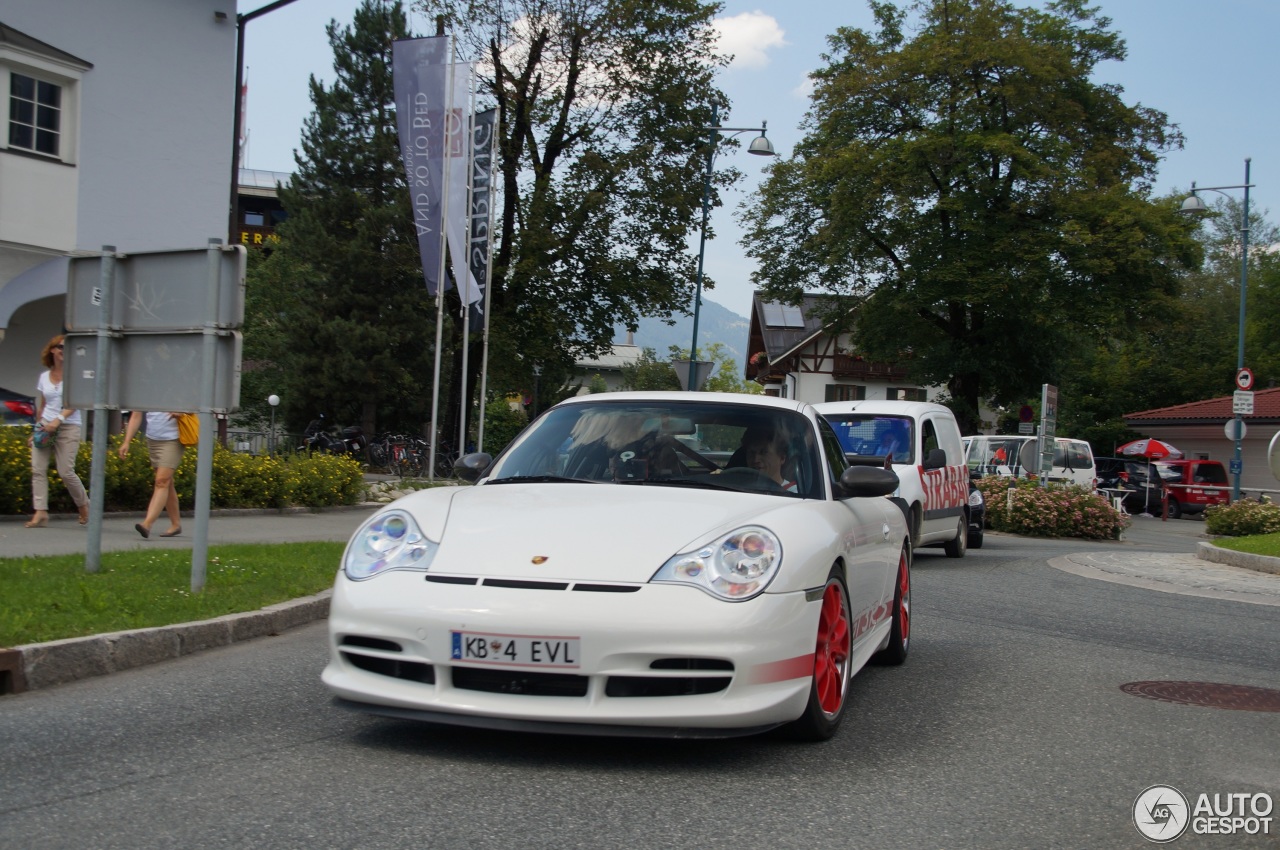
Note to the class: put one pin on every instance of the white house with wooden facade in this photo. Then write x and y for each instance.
(795, 354)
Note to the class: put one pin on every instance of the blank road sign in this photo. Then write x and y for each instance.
(153, 371)
(157, 291)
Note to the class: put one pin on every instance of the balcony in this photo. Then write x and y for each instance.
(855, 368)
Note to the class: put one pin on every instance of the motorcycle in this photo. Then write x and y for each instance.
(318, 438)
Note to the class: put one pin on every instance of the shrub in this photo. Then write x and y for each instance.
(501, 425)
(1057, 511)
(1242, 518)
(239, 480)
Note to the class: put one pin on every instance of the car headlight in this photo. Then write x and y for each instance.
(975, 498)
(389, 541)
(734, 568)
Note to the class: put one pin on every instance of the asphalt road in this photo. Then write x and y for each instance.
(1006, 728)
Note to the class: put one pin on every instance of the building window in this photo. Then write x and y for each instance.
(845, 392)
(906, 394)
(254, 219)
(35, 114)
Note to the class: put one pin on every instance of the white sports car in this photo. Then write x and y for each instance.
(633, 564)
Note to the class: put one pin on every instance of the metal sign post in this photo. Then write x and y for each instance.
(138, 332)
(98, 462)
(1048, 430)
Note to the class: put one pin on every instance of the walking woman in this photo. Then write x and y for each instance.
(61, 439)
(165, 451)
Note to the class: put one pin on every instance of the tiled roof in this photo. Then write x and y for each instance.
(1266, 405)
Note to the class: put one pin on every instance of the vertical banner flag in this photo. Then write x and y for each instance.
(419, 71)
(483, 132)
(458, 128)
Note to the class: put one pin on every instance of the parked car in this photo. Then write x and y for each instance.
(605, 577)
(921, 442)
(1193, 485)
(1014, 455)
(16, 408)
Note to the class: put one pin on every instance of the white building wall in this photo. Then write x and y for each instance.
(156, 110)
(149, 166)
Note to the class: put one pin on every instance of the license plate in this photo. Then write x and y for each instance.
(551, 651)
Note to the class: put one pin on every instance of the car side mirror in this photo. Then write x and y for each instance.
(471, 467)
(864, 481)
(936, 460)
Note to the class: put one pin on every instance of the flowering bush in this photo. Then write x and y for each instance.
(239, 480)
(759, 358)
(1057, 511)
(1242, 518)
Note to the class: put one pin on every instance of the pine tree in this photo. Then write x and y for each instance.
(351, 328)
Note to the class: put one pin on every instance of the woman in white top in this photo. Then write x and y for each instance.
(165, 451)
(62, 426)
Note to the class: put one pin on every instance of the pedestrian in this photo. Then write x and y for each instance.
(165, 451)
(57, 433)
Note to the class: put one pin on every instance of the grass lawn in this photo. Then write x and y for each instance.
(52, 598)
(1261, 544)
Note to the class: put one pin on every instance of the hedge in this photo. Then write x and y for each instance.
(239, 480)
(1055, 511)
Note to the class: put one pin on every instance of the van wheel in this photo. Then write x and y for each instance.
(957, 546)
(1175, 510)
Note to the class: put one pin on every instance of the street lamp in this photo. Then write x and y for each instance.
(760, 146)
(1194, 205)
(273, 400)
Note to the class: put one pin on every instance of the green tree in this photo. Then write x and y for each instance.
(346, 319)
(986, 200)
(649, 373)
(600, 106)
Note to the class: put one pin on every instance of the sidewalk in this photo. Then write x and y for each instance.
(1225, 575)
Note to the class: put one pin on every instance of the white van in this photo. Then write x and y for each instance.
(921, 442)
(1015, 456)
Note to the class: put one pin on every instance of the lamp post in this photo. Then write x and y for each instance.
(760, 146)
(273, 400)
(1194, 205)
(233, 225)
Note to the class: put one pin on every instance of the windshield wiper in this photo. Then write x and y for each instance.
(679, 482)
(526, 479)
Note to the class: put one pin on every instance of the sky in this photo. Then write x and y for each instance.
(1208, 64)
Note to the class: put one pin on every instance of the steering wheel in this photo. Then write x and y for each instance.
(746, 478)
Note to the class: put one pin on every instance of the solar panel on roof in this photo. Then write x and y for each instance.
(778, 315)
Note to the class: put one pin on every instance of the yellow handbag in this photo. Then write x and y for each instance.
(188, 429)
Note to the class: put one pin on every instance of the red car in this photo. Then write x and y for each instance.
(16, 408)
(1193, 485)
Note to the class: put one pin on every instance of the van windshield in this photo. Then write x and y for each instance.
(875, 435)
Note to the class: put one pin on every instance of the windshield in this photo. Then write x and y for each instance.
(872, 435)
(669, 443)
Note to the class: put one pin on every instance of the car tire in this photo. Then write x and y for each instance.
(833, 648)
(975, 539)
(1175, 510)
(895, 651)
(956, 546)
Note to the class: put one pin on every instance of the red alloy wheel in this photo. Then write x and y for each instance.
(831, 655)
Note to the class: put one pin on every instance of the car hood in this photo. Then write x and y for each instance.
(592, 532)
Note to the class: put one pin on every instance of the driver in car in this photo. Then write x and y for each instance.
(765, 450)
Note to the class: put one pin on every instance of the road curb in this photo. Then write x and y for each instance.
(1249, 561)
(43, 665)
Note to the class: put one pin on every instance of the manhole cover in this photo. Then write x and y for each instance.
(1208, 694)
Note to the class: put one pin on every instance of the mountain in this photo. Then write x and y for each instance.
(715, 324)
